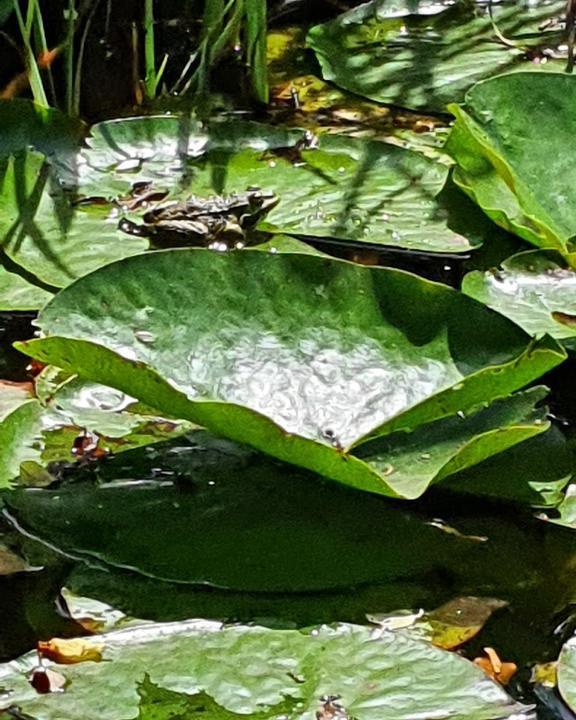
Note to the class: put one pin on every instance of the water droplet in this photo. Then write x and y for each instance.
(388, 470)
(425, 456)
(461, 414)
(272, 163)
(273, 251)
(144, 336)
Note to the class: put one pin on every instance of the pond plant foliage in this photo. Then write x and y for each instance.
(284, 416)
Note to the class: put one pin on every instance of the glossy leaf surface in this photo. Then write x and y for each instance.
(504, 159)
(298, 355)
(251, 671)
(534, 289)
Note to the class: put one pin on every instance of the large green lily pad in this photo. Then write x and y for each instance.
(254, 671)
(425, 54)
(301, 356)
(345, 188)
(511, 141)
(535, 289)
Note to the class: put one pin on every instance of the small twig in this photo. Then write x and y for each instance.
(503, 39)
(570, 33)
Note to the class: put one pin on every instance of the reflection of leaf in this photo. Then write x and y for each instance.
(303, 357)
(254, 671)
(427, 55)
(224, 515)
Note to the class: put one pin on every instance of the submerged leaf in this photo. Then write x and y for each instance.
(229, 517)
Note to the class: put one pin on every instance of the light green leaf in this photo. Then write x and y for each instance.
(504, 159)
(251, 670)
(44, 233)
(346, 188)
(535, 289)
(17, 293)
(20, 430)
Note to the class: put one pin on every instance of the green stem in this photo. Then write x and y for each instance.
(149, 49)
(70, 57)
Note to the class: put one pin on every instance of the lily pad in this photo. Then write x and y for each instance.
(534, 473)
(427, 54)
(19, 431)
(301, 356)
(504, 158)
(566, 673)
(343, 188)
(254, 671)
(25, 124)
(45, 427)
(17, 293)
(44, 234)
(535, 289)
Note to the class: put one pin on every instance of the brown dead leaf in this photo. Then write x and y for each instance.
(11, 563)
(498, 670)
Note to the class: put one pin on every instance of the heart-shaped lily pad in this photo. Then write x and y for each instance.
(301, 356)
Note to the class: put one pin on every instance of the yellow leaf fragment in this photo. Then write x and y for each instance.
(69, 652)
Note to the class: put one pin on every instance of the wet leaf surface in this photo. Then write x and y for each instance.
(533, 289)
(428, 55)
(253, 346)
(504, 160)
(251, 671)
